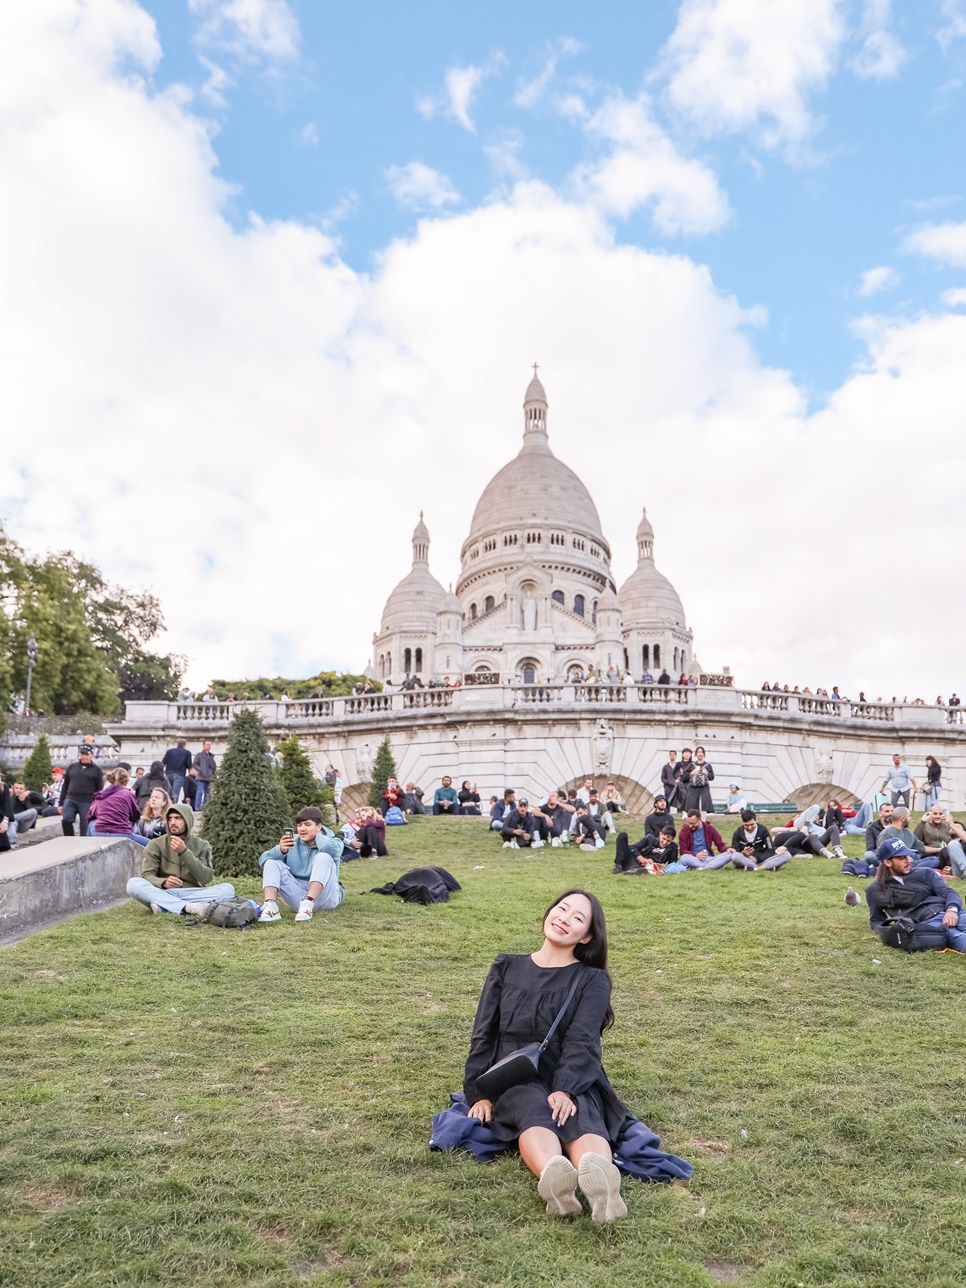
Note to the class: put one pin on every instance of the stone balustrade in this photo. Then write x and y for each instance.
(694, 699)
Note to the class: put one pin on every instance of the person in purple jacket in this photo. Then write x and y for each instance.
(114, 809)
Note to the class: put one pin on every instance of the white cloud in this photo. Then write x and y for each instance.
(880, 56)
(943, 242)
(531, 89)
(874, 280)
(644, 168)
(955, 298)
(737, 65)
(504, 152)
(954, 28)
(459, 90)
(419, 187)
(252, 30)
(309, 135)
(222, 394)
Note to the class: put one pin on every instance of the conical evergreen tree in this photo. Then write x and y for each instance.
(38, 770)
(301, 785)
(384, 768)
(248, 807)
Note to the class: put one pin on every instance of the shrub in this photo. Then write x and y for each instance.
(383, 769)
(301, 785)
(38, 770)
(248, 807)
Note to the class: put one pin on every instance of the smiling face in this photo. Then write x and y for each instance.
(568, 922)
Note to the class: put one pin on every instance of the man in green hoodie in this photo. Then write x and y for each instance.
(175, 868)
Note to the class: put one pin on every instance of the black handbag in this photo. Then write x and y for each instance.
(520, 1065)
(912, 937)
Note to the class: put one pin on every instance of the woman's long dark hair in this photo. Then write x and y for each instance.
(595, 953)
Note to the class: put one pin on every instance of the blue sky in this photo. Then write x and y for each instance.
(311, 137)
(282, 268)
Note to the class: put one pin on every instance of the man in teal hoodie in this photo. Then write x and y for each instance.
(303, 870)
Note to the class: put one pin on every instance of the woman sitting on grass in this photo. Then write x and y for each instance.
(151, 823)
(567, 1122)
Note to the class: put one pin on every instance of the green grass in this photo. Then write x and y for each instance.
(195, 1106)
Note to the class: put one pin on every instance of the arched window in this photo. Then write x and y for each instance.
(388, 665)
(646, 656)
(382, 666)
(593, 612)
(657, 655)
(675, 659)
(558, 597)
(579, 605)
(529, 674)
(419, 660)
(488, 603)
(472, 612)
(407, 660)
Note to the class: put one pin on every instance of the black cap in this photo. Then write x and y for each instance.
(523, 801)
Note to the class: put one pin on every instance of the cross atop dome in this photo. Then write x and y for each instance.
(535, 411)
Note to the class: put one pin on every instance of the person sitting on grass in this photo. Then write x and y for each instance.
(659, 818)
(151, 824)
(899, 830)
(942, 838)
(500, 809)
(811, 822)
(469, 798)
(919, 893)
(303, 871)
(365, 832)
(698, 843)
(566, 1122)
(650, 854)
(754, 849)
(597, 809)
(393, 795)
(587, 830)
(445, 798)
(554, 817)
(114, 810)
(735, 801)
(521, 828)
(176, 869)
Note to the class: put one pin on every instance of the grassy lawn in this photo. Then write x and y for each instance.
(196, 1106)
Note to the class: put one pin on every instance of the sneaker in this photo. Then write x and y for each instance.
(600, 843)
(514, 844)
(198, 908)
(600, 1182)
(306, 908)
(556, 842)
(537, 844)
(557, 1187)
(156, 908)
(508, 845)
(270, 912)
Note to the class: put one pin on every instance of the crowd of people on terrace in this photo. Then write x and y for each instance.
(836, 696)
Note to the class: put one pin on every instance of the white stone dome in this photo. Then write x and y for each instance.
(449, 603)
(535, 488)
(647, 598)
(415, 601)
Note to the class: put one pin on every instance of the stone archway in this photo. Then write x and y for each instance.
(819, 794)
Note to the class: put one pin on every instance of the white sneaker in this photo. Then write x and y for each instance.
(600, 843)
(537, 844)
(156, 908)
(306, 908)
(556, 842)
(508, 845)
(270, 912)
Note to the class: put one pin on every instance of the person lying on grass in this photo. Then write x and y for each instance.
(303, 870)
(563, 1122)
(919, 893)
(649, 855)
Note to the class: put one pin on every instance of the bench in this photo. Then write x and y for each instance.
(789, 808)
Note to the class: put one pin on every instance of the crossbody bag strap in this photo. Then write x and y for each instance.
(560, 1013)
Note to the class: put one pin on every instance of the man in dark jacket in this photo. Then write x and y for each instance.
(6, 816)
(204, 763)
(177, 762)
(81, 781)
(660, 817)
(669, 780)
(920, 893)
(520, 828)
(176, 867)
(754, 849)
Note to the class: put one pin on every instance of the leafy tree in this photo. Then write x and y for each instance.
(383, 769)
(328, 684)
(38, 769)
(248, 807)
(301, 785)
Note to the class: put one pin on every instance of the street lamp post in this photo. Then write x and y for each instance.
(32, 656)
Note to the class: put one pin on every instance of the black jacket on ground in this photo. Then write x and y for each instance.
(920, 894)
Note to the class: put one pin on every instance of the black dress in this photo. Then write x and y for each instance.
(518, 1005)
(698, 795)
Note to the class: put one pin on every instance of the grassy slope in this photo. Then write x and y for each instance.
(199, 1106)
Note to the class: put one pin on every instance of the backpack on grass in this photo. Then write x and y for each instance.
(229, 914)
